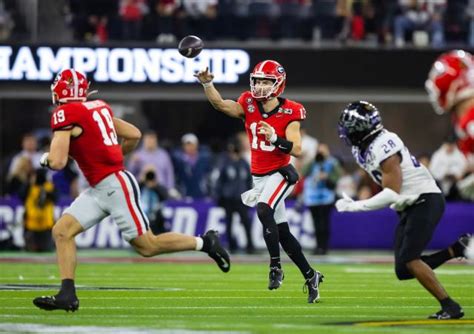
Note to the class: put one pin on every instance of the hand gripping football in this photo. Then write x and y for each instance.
(190, 46)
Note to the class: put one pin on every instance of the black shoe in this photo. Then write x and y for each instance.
(216, 251)
(459, 247)
(51, 303)
(312, 285)
(275, 278)
(454, 312)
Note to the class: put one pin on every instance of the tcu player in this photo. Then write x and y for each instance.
(90, 134)
(273, 129)
(408, 188)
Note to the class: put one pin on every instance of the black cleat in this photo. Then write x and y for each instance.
(459, 247)
(312, 285)
(50, 303)
(275, 278)
(216, 251)
(454, 312)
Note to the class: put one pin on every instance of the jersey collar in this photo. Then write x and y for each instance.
(266, 115)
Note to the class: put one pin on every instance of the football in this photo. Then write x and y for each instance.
(190, 46)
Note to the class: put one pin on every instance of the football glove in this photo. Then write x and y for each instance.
(44, 160)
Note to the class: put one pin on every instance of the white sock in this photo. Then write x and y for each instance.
(199, 243)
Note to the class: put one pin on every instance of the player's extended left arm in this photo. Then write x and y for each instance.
(389, 196)
(129, 133)
(57, 156)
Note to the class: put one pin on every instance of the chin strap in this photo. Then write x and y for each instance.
(92, 92)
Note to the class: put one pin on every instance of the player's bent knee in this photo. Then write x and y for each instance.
(402, 272)
(264, 212)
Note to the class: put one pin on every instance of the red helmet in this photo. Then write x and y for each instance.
(70, 86)
(269, 70)
(450, 80)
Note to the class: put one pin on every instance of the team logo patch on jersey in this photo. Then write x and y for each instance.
(251, 108)
(249, 100)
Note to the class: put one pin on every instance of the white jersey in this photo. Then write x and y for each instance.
(416, 179)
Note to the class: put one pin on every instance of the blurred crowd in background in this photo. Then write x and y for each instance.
(191, 171)
(376, 22)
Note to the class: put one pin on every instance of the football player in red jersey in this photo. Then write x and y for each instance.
(450, 86)
(273, 129)
(91, 135)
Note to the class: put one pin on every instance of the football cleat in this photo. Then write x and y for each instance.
(312, 285)
(216, 251)
(449, 313)
(50, 303)
(459, 247)
(275, 278)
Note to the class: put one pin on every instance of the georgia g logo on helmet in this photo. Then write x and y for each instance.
(69, 86)
(268, 70)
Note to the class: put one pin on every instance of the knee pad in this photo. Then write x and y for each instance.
(265, 213)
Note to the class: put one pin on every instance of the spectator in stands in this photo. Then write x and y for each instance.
(456, 21)
(93, 21)
(199, 17)
(166, 11)
(6, 23)
(346, 182)
(448, 166)
(292, 15)
(309, 148)
(262, 18)
(29, 149)
(244, 144)
(420, 15)
(39, 200)
(19, 177)
(319, 194)
(325, 22)
(131, 13)
(153, 194)
(192, 168)
(152, 154)
(233, 180)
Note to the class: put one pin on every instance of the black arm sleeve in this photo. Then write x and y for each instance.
(283, 145)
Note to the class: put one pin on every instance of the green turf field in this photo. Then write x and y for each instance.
(186, 297)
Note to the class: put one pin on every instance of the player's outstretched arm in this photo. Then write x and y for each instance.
(129, 133)
(58, 153)
(228, 107)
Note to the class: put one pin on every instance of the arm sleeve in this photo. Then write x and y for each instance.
(382, 200)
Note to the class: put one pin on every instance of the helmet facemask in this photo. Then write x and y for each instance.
(264, 92)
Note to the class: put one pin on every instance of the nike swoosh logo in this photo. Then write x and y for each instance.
(110, 193)
(225, 265)
(420, 201)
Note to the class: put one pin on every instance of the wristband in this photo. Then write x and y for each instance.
(207, 84)
(283, 145)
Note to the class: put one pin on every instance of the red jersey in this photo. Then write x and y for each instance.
(96, 150)
(265, 156)
(465, 132)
